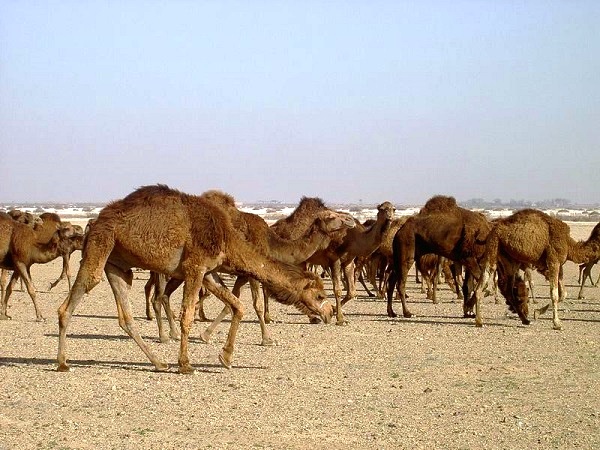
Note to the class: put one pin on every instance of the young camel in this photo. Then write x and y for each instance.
(186, 237)
(21, 246)
(532, 237)
(67, 248)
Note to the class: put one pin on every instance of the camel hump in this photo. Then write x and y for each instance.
(439, 203)
(219, 197)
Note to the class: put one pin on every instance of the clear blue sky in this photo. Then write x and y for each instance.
(346, 100)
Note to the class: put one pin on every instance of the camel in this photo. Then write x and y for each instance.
(67, 248)
(341, 254)
(532, 237)
(256, 231)
(585, 272)
(21, 246)
(443, 228)
(185, 237)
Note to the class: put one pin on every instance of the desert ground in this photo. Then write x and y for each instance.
(432, 381)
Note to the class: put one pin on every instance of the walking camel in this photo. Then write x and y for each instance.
(21, 246)
(532, 237)
(256, 231)
(187, 237)
(443, 228)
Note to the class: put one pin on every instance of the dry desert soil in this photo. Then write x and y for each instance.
(432, 381)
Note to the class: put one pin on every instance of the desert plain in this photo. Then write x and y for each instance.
(433, 381)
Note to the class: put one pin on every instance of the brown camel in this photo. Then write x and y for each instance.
(186, 237)
(532, 237)
(296, 225)
(67, 247)
(585, 272)
(341, 254)
(21, 246)
(256, 231)
(443, 228)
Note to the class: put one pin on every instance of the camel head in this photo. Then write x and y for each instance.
(516, 294)
(330, 221)
(387, 210)
(313, 299)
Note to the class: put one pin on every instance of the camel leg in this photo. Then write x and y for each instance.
(478, 292)
(147, 293)
(237, 312)
(267, 313)
(63, 274)
(336, 278)
(7, 293)
(23, 272)
(267, 339)
(349, 274)
(120, 282)
(208, 332)
(191, 291)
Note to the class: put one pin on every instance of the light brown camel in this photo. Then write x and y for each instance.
(256, 231)
(67, 247)
(443, 228)
(21, 246)
(296, 225)
(532, 237)
(186, 237)
(341, 253)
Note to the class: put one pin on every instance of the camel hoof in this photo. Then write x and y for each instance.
(175, 337)
(391, 313)
(478, 323)
(186, 369)
(314, 320)
(407, 315)
(526, 322)
(205, 337)
(225, 359)
(557, 327)
(268, 342)
(40, 319)
(342, 323)
(161, 367)
(5, 317)
(63, 368)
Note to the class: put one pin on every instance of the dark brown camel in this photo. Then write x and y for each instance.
(21, 246)
(186, 237)
(532, 237)
(443, 228)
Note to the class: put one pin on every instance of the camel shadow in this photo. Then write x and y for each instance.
(136, 366)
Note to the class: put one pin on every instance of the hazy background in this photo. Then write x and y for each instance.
(347, 100)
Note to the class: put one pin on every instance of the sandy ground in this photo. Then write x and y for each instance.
(432, 381)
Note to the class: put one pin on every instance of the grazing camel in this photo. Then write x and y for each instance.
(21, 246)
(256, 231)
(532, 237)
(443, 228)
(186, 237)
(340, 255)
(296, 225)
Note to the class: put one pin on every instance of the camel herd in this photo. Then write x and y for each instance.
(191, 239)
